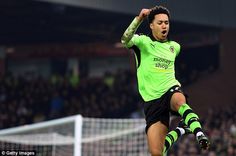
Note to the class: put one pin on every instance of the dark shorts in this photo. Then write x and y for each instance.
(159, 109)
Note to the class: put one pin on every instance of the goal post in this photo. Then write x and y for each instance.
(79, 136)
(46, 138)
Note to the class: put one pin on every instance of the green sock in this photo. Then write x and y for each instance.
(171, 138)
(190, 118)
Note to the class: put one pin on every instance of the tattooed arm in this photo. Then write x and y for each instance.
(129, 32)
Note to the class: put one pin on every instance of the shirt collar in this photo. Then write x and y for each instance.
(154, 39)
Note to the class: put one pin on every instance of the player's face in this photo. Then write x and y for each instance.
(160, 27)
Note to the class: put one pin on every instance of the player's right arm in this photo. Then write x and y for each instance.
(130, 31)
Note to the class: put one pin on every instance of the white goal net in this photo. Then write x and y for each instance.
(77, 136)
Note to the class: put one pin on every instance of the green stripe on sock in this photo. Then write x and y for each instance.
(174, 134)
(183, 108)
(171, 138)
(195, 125)
(189, 116)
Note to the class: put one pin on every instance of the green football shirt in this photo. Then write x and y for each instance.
(155, 65)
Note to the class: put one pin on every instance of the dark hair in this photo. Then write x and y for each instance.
(158, 10)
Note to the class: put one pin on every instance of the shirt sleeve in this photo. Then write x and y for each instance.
(135, 40)
(178, 48)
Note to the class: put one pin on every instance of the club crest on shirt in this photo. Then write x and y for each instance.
(172, 49)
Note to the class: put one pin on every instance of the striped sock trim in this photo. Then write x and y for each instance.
(183, 108)
(171, 138)
(189, 117)
(167, 146)
(177, 130)
(187, 112)
(191, 120)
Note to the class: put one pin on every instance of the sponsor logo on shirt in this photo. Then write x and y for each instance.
(161, 62)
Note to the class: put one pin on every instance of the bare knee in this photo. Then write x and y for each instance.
(177, 100)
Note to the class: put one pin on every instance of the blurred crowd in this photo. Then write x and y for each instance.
(26, 100)
(220, 126)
